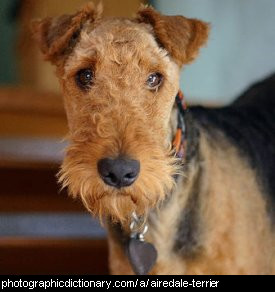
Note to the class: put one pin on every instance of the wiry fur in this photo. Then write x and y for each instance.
(108, 121)
(212, 218)
(113, 113)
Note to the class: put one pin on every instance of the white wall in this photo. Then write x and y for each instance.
(241, 48)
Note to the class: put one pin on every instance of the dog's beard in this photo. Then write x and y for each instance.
(155, 181)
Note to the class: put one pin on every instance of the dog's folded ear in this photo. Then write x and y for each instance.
(182, 37)
(57, 36)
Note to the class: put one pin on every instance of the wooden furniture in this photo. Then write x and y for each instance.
(30, 187)
(53, 256)
(34, 190)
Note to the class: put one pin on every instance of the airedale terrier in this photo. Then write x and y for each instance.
(201, 204)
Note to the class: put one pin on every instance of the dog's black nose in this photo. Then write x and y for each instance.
(119, 172)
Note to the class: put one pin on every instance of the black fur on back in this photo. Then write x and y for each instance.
(249, 123)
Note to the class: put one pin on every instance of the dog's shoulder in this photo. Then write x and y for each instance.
(249, 124)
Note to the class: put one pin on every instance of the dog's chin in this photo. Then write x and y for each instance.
(119, 205)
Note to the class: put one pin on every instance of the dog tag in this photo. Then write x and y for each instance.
(142, 256)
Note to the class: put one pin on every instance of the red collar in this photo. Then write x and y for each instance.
(179, 138)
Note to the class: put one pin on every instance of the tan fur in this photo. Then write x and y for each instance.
(191, 34)
(235, 202)
(119, 115)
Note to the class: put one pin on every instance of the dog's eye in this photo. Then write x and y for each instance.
(84, 78)
(154, 80)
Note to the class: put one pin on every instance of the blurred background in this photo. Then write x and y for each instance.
(42, 231)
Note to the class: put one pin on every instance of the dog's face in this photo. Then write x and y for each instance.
(119, 78)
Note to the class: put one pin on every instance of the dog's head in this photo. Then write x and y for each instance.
(120, 78)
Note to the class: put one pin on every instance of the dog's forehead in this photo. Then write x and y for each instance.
(116, 39)
(118, 29)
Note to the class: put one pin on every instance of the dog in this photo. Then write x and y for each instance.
(181, 191)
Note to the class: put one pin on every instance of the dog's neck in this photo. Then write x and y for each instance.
(183, 201)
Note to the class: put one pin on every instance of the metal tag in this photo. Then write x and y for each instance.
(142, 256)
